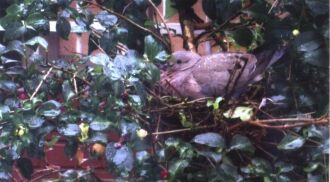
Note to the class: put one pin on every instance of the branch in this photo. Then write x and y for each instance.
(129, 21)
(163, 21)
(41, 82)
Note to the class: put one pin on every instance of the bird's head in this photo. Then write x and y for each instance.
(181, 60)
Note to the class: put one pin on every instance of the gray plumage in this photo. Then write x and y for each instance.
(220, 74)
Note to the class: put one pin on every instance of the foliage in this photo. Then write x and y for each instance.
(85, 98)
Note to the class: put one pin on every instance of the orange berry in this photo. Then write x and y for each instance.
(98, 149)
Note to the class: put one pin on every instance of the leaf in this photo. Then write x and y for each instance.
(283, 167)
(9, 87)
(213, 155)
(318, 7)
(312, 167)
(242, 112)
(100, 59)
(122, 157)
(38, 22)
(291, 142)
(69, 130)
(15, 46)
(99, 125)
(239, 142)
(63, 27)
(14, 31)
(258, 167)
(170, 10)
(210, 139)
(176, 168)
(317, 57)
(50, 108)
(184, 121)
(243, 36)
(152, 48)
(71, 148)
(106, 19)
(38, 40)
(229, 173)
(67, 91)
(25, 167)
(35, 122)
(307, 41)
(313, 131)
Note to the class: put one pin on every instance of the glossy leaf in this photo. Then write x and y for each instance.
(106, 19)
(39, 41)
(242, 112)
(210, 139)
(63, 28)
(121, 156)
(69, 130)
(291, 142)
(50, 108)
(240, 142)
(67, 90)
(176, 168)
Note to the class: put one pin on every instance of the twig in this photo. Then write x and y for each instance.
(41, 82)
(163, 21)
(75, 83)
(129, 21)
(182, 130)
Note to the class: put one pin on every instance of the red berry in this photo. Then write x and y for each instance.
(164, 174)
(22, 96)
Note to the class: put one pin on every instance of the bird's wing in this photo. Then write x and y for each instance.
(221, 73)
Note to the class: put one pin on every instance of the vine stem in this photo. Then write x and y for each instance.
(41, 82)
(129, 21)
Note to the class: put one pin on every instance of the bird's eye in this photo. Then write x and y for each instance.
(179, 61)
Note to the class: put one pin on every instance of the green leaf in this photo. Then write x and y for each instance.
(38, 40)
(229, 173)
(25, 167)
(258, 167)
(100, 59)
(99, 124)
(15, 46)
(312, 167)
(9, 87)
(210, 139)
(50, 108)
(67, 90)
(282, 167)
(35, 122)
(242, 112)
(184, 121)
(106, 19)
(170, 10)
(243, 37)
(63, 27)
(176, 168)
(317, 57)
(318, 7)
(70, 148)
(213, 155)
(291, 142)
(152, 48)
(38, 22)
(239, 142)
(121, 156)
(69, 130)
(312, 131)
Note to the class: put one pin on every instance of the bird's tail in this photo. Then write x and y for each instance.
(266, 56)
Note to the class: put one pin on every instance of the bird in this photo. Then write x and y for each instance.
(225, 74)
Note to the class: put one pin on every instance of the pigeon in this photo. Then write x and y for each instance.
(225, 74)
